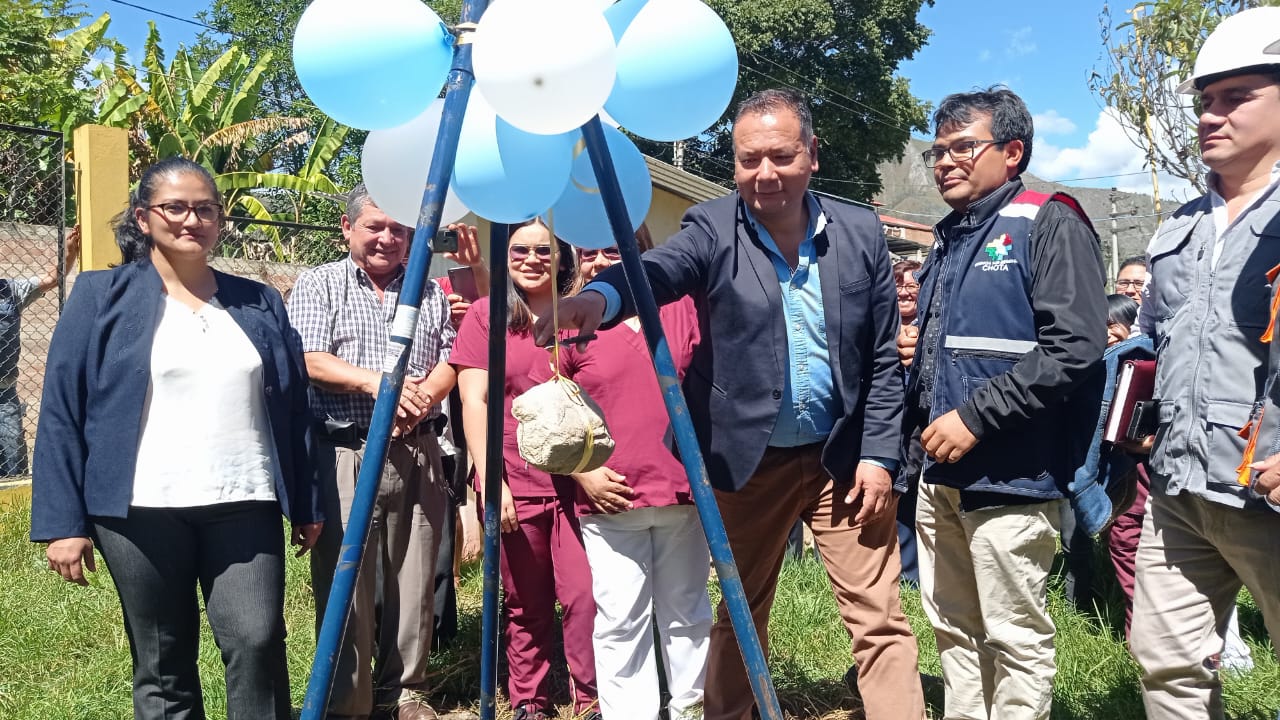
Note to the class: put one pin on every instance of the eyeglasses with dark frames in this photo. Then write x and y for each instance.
(959, 152)
(521, 252)
(589, 254)
(1135, 284)
(179, 211)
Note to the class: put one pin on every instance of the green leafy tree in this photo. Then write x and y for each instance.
(1146, 56)
(844, 54)
(46, 55)
(46, 58)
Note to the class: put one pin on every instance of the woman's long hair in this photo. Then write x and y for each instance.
(1121, 310)
(519, 316)
(134, 244)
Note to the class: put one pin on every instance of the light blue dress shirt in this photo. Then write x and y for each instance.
(810, 399)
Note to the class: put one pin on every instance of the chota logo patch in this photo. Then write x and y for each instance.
(998, 249)
(998, 253)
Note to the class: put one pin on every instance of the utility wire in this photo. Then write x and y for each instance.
(814, 83)
(179, 18)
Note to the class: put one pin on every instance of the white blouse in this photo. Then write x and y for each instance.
(205, 436)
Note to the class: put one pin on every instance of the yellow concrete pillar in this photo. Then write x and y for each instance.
(102, 190)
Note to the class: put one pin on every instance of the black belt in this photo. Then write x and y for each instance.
(349, 433)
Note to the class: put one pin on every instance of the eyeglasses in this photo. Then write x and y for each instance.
(521, 252)
(1135, 284)
(589, 254)
(179, 211)
(959, 152)
(909, 287)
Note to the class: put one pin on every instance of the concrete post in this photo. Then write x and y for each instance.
(102, 190)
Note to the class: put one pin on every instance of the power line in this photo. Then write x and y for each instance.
(1099, 177)
(826, 99)
(833, 91)
(179, 18)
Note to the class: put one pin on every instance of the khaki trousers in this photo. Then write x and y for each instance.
(403, 540)
(1193, 557)
(983, 580)
(861, 561)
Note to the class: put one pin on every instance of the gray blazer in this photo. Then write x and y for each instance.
(739, 369)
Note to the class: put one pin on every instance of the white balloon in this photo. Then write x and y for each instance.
(395, 164)
(546, 66)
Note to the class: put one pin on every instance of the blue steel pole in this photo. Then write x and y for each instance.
(690, 454)
(400, 341)
(499, 235)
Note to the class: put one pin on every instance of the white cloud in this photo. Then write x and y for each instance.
(1019, 43)
(984, 56)
(1051, 123)
(1108, 157)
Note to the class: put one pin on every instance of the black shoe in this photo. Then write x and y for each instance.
(851, 680)
(529, 711)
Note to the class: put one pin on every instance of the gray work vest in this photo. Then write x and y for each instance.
(1212, 364)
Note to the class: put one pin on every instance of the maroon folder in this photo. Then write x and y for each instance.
(1135, 384)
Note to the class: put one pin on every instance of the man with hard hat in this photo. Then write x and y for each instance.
(1214, 518)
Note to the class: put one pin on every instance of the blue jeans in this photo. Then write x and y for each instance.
(234, 553)
(13, 442)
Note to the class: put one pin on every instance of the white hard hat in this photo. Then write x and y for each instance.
(1246, 40)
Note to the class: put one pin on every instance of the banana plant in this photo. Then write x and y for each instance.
(210, 116)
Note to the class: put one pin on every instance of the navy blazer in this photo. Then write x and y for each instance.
(96, 381)
(734, 384)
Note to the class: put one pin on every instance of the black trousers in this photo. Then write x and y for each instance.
(234, 553)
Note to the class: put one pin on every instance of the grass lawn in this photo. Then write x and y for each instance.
(64, 655)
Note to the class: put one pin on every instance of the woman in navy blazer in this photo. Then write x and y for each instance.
(174, 428)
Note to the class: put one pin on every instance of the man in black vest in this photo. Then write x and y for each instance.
(1012, 324)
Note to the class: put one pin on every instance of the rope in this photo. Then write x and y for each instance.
(570, 387)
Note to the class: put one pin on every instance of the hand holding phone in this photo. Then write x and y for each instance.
(463, 282)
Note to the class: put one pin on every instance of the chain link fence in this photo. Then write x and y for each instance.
(279, 242)
(33, 210)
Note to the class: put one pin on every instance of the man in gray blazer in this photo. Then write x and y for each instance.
(795, 392)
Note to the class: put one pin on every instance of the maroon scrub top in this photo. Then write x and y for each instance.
(527, 365)
(617, 372)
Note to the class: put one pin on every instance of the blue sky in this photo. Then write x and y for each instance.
(1043, 51)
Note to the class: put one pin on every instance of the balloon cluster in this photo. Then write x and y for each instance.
(662, 69)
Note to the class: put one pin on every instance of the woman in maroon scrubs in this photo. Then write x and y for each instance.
(542, 559)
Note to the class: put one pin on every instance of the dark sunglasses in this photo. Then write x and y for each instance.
(521, 252)
(589, 254)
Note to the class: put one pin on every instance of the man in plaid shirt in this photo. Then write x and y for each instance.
(344, 311)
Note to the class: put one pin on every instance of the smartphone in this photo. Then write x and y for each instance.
(463, 281)
(446, 241)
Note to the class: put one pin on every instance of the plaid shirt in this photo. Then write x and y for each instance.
(335, 309)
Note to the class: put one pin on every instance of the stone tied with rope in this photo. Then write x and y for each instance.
(561, 430)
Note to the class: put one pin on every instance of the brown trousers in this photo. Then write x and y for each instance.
(863, 565)
(383, 656)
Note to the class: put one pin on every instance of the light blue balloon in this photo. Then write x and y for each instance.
(579, 216)
(504, 174)
(372, 65)
(677, 68)
(620, 14)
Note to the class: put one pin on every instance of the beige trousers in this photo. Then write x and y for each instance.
(402, 544)
(983, 578)
(1193, 557)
